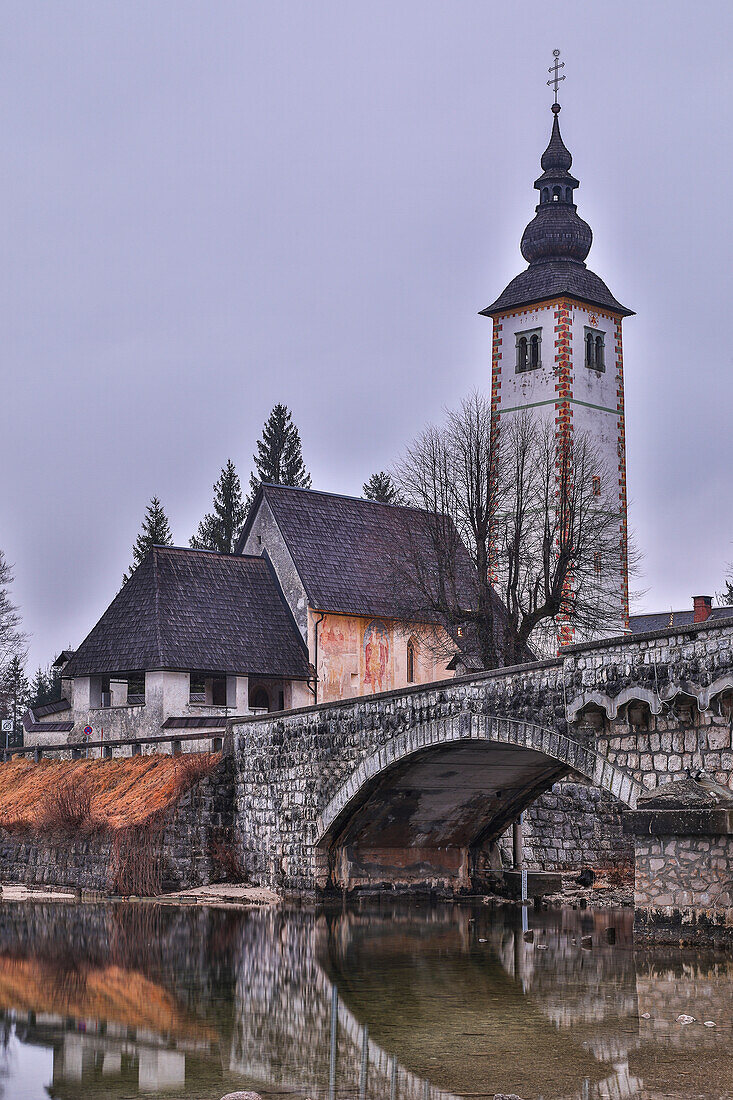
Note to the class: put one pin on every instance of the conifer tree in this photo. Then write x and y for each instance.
(380, 487)
(279, 457)
(155, 531)
(219, 529)
(14, 696)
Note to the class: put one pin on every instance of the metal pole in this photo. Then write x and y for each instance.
(334, 1026)
(364, 1064)
(517, 846)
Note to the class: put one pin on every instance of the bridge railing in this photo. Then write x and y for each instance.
(80, 750)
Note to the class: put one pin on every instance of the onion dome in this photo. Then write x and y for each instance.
(557, 241)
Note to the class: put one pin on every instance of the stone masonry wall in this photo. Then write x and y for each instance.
(624, 714)
(575, 825)
(685, 870)
(199, 827)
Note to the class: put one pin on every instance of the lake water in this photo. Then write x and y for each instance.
(382, 1001)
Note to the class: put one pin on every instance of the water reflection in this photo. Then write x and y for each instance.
(401, 1001)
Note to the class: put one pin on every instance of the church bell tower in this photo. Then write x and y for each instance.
(557, 346)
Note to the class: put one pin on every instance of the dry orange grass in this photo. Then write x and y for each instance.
(120, 793)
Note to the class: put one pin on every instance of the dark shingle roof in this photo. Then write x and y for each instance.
(32, 725)
(345, 549)
(663, 620)
(552, 279)
(56, 707)
(212, 722)
(195, 610)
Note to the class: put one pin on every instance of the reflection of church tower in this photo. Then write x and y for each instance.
(557, 336)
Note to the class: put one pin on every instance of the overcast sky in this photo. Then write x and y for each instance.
(212, 207)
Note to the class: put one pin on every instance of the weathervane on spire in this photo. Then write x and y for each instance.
(555, 70)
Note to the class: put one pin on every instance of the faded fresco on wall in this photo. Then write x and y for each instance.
(338, 653)
(377, 654)
(361, 656)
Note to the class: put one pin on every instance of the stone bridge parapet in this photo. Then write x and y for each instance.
(627, 714)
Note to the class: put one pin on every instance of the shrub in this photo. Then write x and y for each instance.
(67, 810)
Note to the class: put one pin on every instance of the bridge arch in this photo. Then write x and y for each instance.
(466, 728)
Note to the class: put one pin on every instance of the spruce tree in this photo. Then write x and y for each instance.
(382, 488)
(14, 696)
(155, 531)
(279, 457)
(219, 529)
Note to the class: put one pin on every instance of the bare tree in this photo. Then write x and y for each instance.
(12, 639)
(537, 515)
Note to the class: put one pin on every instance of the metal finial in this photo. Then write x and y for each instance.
(555, 70)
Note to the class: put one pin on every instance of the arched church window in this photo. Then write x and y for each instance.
(545, 194)
(595, 343)
(528, 348)
(410, 662)
(589, 350)
(556, 194)
(599, 353)
(597, 563)
(568, 195)
(522, 353)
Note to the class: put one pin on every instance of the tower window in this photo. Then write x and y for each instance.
(596, 486)
(556, 194)
(522, 353)
(597, 563)
(529, 349)
(545, 194)
(568, 195)
(595, 345)
(410, 663)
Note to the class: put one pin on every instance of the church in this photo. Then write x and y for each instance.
(306, 609)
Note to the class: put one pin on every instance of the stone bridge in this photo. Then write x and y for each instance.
(418, 784)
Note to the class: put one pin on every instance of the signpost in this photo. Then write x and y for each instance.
(87, 733)
(7, 730)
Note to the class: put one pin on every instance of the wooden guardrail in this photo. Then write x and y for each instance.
(79, 749)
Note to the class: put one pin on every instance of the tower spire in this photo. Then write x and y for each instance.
(554, 71)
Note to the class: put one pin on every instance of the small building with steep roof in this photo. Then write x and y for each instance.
(337, 561)
(193, 637)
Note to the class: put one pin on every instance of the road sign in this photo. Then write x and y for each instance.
(7, 725)
(88, 731)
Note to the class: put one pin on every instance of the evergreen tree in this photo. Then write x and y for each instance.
(219, 530)
(279, 457)
(382, 488)
(155, 531)
(14, 697)
(45, 687)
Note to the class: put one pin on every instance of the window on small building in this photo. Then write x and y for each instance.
(596, 486)
(197, 690)
(219, 691)
(595, 355)
(259, 699)
(529, 348)
(410, 663)
(597, 563)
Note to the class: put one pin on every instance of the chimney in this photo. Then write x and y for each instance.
(703, 605)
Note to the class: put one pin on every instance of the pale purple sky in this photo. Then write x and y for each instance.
(212, 207)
